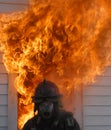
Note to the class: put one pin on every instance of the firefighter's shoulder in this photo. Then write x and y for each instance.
(67, 117)
(29, 124)
(69, 120)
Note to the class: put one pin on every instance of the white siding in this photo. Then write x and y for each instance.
(3, 96)
(97, 103)
(7, 6)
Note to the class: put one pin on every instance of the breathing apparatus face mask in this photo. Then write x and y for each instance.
(46, 109)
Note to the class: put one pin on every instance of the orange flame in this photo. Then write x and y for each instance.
(67, 41)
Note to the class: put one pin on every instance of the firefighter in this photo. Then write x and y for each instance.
(50, 115)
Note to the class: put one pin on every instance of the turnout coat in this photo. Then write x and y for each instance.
(61, 121)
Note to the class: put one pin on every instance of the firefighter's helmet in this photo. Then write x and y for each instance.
(46, 90)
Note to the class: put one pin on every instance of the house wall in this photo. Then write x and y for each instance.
(3, 96)
(97, 103)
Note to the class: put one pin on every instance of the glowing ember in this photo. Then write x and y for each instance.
(66, 41)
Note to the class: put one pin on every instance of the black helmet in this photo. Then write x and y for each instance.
(46, 89)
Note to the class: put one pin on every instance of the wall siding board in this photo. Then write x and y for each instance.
(3, 89)
(97, 110)
(11, 8)
(3, 99)
(102, 80)
(95, 90)
(3, 121)
(8, 6)
(3, 110)
(97, 100)
(98, 120)
(3, 128)
(15, 1)
(97, 128)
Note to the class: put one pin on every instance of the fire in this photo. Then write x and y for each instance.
(67, 41)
